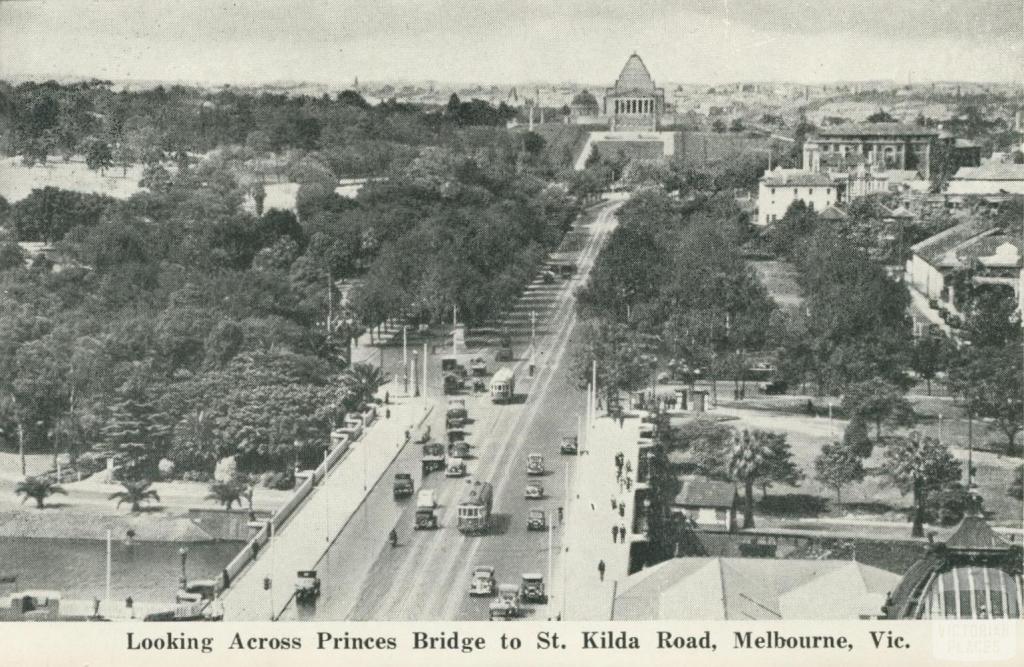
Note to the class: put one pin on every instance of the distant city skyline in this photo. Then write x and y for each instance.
(458, 42)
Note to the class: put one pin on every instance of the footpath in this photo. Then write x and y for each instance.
(599, 502)
(323, 515)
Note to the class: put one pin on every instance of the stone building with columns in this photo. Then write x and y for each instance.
(634, 102)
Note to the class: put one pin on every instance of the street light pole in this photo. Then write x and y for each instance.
(183, 583)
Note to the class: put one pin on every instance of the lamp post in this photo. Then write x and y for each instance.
(183, 581)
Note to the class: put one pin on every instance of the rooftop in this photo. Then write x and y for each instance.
(699, 491)
(754, 588)
(876, 130)
(795, 177)
(977, 239)
(634, 77)
(991, 171)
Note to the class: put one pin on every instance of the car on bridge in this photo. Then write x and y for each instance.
(536, 520)
(531, 590)
(534, 464)
(570, 445)
(403, 485)
(456, 468)
(307, 587)
(506, 607)
(534, 490)
(482, 582)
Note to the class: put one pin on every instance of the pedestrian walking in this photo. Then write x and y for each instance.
(387, 413)
(600, 569)
(622, 509)
(387, 397)
(560, 515)
(615, 534)
(629, 483)
(622, 532)
(613, 502)
(629, 467)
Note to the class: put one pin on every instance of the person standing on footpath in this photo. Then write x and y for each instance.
(600, 569)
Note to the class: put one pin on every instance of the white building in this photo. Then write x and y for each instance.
(781, 187)
(988, 179)
(707, 502)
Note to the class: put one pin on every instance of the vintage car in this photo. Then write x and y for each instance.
(197, 590)
(478, 367)
(532, 589)
(773, 387)
(534, 464)
(307, 587)
(458, 450)
(506, 606)
(456, 468)
(482, 582)
(536, 520)
(534, 489)
(570, 445)
(402, 486)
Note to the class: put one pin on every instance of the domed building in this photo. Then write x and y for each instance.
(584, 105)
(974, 574)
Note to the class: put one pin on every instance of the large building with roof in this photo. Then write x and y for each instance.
(975, 574)
(634, 102)
(988, 179)
(779, 188)
(729, 589)
(978, 244)
(886, 145)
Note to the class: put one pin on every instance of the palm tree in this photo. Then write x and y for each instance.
(364, 380)
(750, 451)
(226, 494)
(135, 493)
(38, 489)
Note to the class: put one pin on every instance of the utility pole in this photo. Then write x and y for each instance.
(455, 325)
(424, 370)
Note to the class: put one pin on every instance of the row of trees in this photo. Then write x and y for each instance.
(132, 126)
(182, 327)
(854, 337)
(670, 284)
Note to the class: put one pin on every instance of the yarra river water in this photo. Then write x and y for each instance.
(146, 571)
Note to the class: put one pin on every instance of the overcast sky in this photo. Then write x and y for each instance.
(333, 41)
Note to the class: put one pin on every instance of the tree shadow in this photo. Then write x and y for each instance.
(871, 507)
(793, 505)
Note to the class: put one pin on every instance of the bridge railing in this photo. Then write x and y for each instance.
(339, 448)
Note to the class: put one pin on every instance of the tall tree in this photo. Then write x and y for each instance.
(921, 466)
(748, 463)
(837, 467)
(876, 400)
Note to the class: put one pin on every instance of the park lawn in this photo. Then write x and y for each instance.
(875, 497)
(17, 181)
